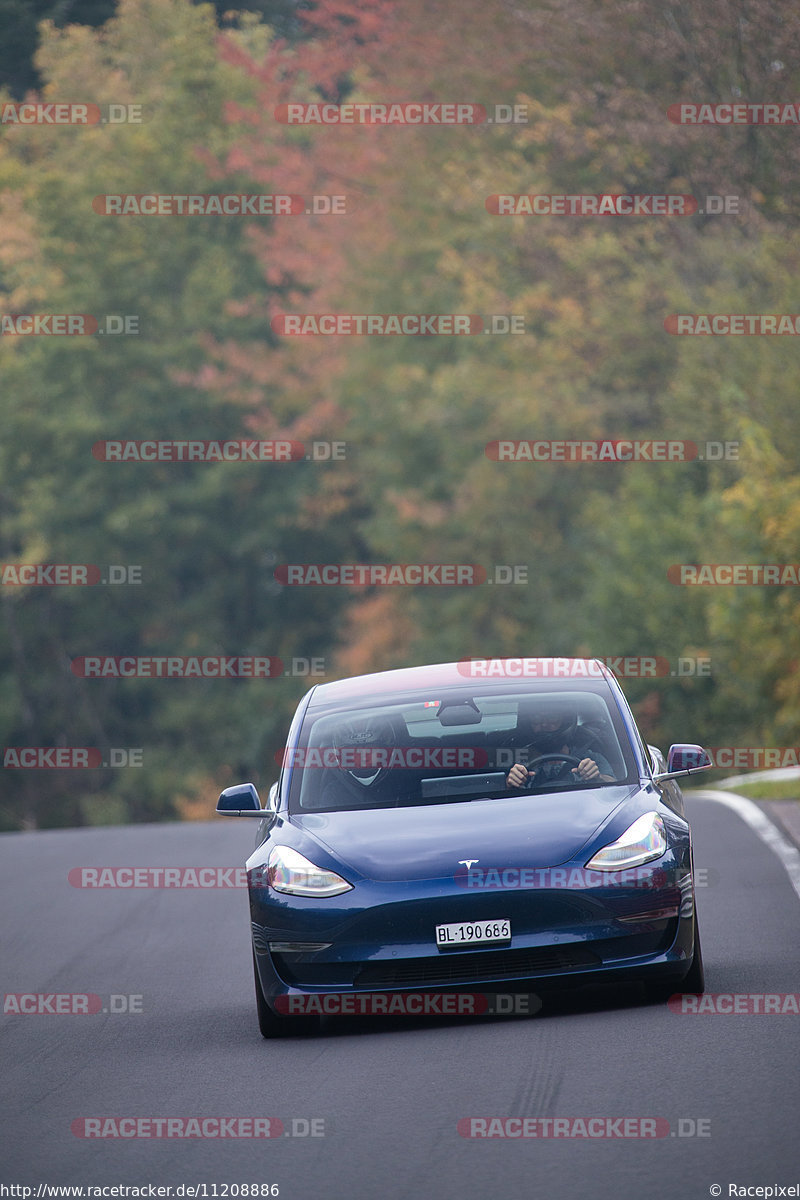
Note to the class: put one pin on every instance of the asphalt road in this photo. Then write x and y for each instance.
(387, 1094)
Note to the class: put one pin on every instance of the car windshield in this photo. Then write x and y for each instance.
(434, 749)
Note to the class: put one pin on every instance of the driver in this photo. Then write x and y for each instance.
(553, 729)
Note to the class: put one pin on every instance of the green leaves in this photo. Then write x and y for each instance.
(591, 542)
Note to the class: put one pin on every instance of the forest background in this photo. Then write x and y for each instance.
(410, 479)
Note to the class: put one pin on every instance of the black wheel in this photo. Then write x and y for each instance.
(695, 979)
(692, 983)
(270, 1024)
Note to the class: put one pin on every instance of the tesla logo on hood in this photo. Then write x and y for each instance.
(467, 862)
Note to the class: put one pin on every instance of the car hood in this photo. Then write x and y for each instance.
(428, 842)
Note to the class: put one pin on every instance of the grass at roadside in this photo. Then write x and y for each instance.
(768, 789)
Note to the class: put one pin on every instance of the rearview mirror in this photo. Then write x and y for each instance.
(459, 712)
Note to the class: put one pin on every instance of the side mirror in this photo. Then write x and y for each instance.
(684, 759)
(240, 801)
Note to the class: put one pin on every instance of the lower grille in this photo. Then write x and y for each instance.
(462, 968)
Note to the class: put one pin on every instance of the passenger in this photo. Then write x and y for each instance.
(361, 747)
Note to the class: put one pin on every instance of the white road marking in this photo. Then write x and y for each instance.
(760, 824)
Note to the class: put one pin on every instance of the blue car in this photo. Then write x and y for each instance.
(481, 827)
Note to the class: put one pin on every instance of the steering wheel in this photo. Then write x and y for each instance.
(543, 758)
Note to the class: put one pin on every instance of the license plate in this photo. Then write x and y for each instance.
(473, 933)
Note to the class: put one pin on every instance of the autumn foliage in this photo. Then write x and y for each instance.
(594, 360)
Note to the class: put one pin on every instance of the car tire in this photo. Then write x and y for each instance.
(273, 1026)
(695, 978)
(692, 983)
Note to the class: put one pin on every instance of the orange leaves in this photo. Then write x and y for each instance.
(378, 635)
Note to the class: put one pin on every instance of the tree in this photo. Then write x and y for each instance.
(205, 535)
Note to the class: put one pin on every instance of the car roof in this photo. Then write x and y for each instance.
(469, 673)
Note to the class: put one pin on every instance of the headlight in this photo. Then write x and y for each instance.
(642, 841)
(290, 872)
